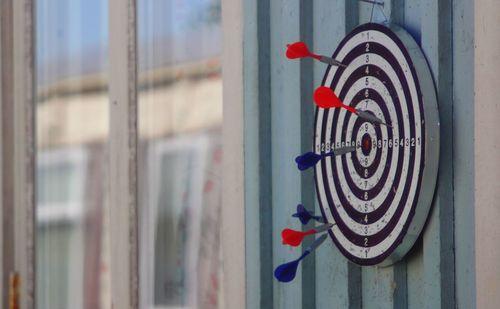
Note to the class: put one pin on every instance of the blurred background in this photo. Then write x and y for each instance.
(180, 153)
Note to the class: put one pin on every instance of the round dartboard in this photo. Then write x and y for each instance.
(379, 195)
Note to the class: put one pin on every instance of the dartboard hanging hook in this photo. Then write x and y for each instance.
(379, 4)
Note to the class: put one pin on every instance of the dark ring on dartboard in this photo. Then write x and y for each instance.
(372, 168)
(376, 72)
(359, 169)
(379, 212)
(377, 98)
(376, 238)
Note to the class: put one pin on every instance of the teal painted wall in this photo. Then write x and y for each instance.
(439, 271)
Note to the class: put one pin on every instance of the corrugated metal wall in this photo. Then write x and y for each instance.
(439, 271)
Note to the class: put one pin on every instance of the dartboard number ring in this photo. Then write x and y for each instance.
(378, 196)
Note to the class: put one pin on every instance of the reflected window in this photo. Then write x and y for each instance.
(72, 135)
(62, 175)
(60, 194)
(180, 155)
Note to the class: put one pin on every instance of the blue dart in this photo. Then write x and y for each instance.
(310, 159)
(307, 160)
(286, 272)
(305, 215)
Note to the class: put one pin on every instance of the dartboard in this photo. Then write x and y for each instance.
(379, 195)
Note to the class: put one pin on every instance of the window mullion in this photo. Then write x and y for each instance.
(21, 142)
(123, 153)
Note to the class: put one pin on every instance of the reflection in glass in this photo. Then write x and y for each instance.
(72, 132)
(180, 120)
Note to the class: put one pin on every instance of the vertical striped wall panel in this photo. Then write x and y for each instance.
(338, 282)
(278, 126)
(285, 140)
(463, 152)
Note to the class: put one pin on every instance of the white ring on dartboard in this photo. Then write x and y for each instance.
(373, 178)
(377, 175)
(391, 73)
(366, 134)
(361, 229)
(392, 225)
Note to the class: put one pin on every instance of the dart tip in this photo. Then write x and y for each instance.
(328, 226)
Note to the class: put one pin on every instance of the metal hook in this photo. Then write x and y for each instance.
(381, 3)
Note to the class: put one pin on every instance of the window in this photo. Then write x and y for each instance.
(72, 116)
(180, 153)
(81, 234)
(62, 177)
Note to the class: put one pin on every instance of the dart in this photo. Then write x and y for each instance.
(300, 50)
(305, 215)
(286, 272)
(294, 238)
(324, 97)
(309, 159)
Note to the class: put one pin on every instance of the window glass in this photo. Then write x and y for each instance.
(72, 135)
(180, 154)
(60, 191)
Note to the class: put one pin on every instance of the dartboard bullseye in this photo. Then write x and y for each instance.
(378, 195)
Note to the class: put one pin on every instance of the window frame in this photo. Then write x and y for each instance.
(123, 186)
(18, 151)
(18, 161)
(233, 199)
(18, 167)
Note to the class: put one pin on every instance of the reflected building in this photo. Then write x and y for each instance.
(179, 151)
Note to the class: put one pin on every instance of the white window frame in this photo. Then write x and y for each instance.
(18, 150)
(233, 198)
(123, 153)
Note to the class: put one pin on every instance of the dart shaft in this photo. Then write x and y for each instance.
(331, 61)
(315, 244)
(370, 117)
(324, 227)
(344, 150)
(340, 151)
(319, 219)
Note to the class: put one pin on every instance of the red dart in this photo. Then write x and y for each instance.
(326, 98)
(294, 238)
(299, 50)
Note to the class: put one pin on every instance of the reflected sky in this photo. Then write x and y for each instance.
(184, 30)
